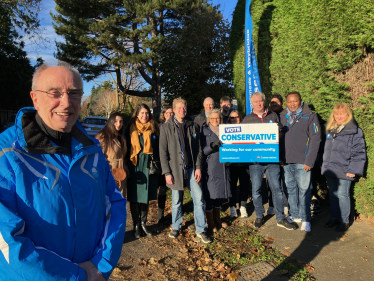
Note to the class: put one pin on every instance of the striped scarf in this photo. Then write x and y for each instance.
(293, 115)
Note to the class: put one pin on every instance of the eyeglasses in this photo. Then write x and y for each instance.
(169, 113)
(215, 118)
(234, 117)
(56, 94)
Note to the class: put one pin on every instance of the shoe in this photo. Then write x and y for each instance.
(217, 217)
(284, 223)
(210, 222)
(292, 220)
(137, 231)
(331, 223)
(143, 219)
(243, 212)
(315, 206)
(204, 237)
(342, 227)
(305, 226)
(174, 233)
(233, 213)
(259, 222)
(270, 211)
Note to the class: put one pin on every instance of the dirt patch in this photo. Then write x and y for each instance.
(361, 72)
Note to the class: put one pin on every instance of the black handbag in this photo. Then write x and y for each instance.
(155, 166)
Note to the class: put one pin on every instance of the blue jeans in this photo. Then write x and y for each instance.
(198, 203)
(299, 188)
(340, 203)
(272, 172)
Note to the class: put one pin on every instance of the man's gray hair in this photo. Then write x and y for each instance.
(45, 66)
(258, 94)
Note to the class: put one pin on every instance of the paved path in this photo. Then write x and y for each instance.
(336, 256)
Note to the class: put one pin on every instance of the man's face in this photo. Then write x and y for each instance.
(60, 114)
(293, 102)
(258, 104)
(208, 105)
(180, 110)
(225, 105)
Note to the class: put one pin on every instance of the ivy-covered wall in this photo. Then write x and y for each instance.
(323, 49)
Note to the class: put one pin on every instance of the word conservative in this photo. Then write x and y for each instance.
(253, 137)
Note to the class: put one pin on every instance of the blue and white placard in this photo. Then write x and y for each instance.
(249, 143)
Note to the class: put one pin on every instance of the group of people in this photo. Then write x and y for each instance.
(63, 214)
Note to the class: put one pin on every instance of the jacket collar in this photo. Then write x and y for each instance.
(34, 141)
(306, 110)
(349, 129)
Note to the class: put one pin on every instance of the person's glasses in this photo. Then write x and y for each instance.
(234, 117)
(56, 94)
(169, 113)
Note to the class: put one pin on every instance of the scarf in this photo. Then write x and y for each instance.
(337, 130)
(135, 131)
(293, 115)
(181, 135)
(215, 129)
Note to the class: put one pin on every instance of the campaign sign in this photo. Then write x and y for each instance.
(249, 143)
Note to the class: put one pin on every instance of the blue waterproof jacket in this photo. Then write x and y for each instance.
(56, 210)
(344, 153)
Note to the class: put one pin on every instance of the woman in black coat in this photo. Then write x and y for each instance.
(344, 158)
(217, 174)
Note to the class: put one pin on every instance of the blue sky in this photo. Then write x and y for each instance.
(226, 7)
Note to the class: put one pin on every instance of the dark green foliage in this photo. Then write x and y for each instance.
(304, 45)
(15, 68)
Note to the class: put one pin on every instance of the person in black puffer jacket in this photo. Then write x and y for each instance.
(343, 160)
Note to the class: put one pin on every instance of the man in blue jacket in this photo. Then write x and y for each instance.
(302, 137)
(61, 214)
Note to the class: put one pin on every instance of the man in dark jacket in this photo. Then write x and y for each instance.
(302, 137)
(257, 170)
(181, 155)
(208, 106)
(225, 105)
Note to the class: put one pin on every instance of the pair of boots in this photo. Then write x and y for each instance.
(139, 213)
(213, 219)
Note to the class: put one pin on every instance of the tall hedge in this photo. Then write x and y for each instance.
(322, 48)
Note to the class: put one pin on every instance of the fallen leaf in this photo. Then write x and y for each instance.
(358, 232)
(309, 268)
(250, 274)
(228, 270)
(270, 238)
(205, 268)
(191, 268)
(215, 274)
(342, 239)
(282, 272)
(364, 259)
(232, 276)
(287, 254)
(366, 247)
(345, 235)
(287, 248)
(221, 268)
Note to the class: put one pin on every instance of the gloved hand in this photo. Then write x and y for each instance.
(216, 144)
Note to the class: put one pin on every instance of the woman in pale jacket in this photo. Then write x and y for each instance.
(344, 159)
(114, 146)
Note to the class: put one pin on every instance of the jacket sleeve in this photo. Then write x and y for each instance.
(358, 154)
(20, 259)
(206, 146)
(199, 158)
(109, 250)
(313, 141)
(164, 151)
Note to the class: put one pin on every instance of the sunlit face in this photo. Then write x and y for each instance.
(225, 105)
(234, 118)
(215, 120)
(180, 110)
(118, 123)
(258, 104)
(208, 105)
(293, 102)
(340, 116)
(60, 114)
(168, 113)
(143, 116)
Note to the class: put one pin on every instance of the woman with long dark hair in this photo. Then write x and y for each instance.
(142, 136)
(114, 146)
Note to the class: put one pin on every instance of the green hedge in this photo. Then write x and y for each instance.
(307, 46)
